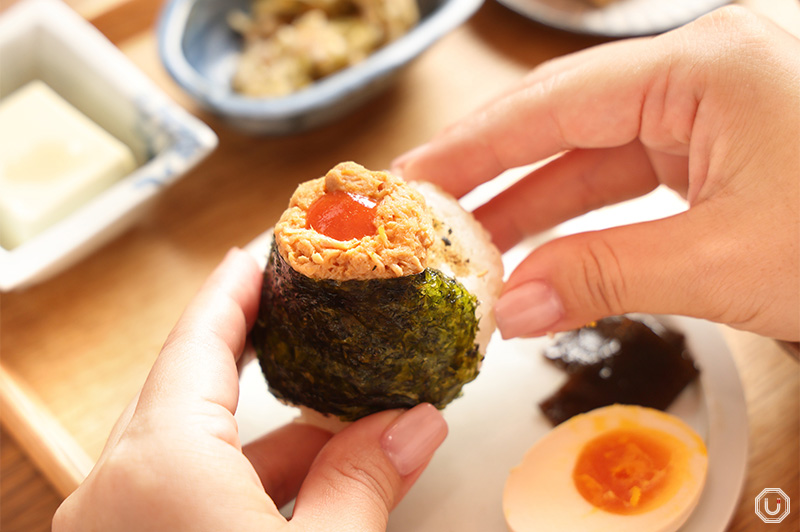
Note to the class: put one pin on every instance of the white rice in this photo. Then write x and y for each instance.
(480, 268)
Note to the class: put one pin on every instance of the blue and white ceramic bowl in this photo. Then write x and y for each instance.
(46, 40)
(200, 51)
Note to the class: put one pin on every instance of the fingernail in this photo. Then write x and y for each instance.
(399, 164)
(528, 309)
(411, 440)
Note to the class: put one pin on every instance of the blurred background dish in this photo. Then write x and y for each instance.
(49, 48)
(201, 51)
(614, 18)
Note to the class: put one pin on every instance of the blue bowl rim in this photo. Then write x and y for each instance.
(220, 98)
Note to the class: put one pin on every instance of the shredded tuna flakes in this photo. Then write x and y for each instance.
(404, 229)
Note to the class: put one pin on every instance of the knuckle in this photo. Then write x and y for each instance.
(729, 33)
(729, 299)
(737, 17)
(370, 478)
(97, 497)
(119, 469)
(726, 18)
(63, 520)
(602, 281)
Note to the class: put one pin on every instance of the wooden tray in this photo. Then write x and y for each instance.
(76, 349)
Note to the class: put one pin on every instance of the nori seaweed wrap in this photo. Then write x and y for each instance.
(377, 319)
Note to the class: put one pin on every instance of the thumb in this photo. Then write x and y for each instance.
(366, 469)
(665, 266)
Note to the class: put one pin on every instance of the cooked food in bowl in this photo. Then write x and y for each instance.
(288, 44)
(377, 294)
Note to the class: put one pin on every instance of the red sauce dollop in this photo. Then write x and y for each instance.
(342, 216)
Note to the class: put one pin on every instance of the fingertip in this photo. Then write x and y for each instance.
(529, 309)
(238, 274)
(238, 259)
(369, 466)
(400, 164)
(410, 441)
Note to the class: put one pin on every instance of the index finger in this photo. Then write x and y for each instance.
(198, 360)
(593, 99)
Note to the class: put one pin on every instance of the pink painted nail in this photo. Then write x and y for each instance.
(528, 309)
(413, 437)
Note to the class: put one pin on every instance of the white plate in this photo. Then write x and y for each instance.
(498, 419)
(619, 19)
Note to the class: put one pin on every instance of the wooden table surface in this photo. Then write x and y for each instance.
(83, 341)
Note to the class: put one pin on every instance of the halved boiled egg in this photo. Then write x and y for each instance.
(618, 468)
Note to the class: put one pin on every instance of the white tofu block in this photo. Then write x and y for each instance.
(53, 159)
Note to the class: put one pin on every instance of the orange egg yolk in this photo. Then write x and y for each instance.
(342, 215)
(622, 471)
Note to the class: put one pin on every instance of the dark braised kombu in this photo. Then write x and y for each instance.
(351, 348)
(618, 360)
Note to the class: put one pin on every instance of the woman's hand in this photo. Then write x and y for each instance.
(711, 110)
(174, 461)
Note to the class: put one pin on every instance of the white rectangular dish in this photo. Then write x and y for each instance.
(48, 41)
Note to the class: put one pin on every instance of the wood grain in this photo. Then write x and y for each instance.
(771, 380)
(50, 447)
(81, 344)
(27, 500)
